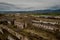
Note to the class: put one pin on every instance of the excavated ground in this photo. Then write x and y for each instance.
(28, 27)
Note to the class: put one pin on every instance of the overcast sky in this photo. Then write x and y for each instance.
(34, 4)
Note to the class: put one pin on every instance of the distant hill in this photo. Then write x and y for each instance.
(46, 11)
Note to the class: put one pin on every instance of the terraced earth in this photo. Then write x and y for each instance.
(29, 27)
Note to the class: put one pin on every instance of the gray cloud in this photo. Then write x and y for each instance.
(35, 4)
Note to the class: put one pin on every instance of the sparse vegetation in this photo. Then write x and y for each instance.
(29, 30)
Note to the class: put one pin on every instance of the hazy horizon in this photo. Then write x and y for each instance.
(33, 4)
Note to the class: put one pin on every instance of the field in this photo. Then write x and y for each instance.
(20, 26)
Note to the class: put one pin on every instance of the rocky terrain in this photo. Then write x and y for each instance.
(29, 27)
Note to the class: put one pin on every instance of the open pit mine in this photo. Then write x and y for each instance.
(29, 27)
